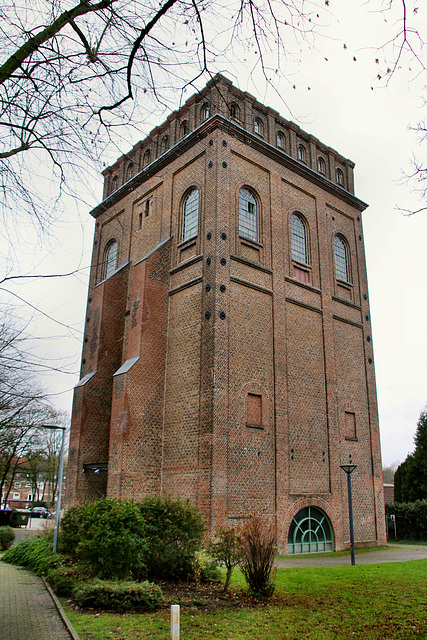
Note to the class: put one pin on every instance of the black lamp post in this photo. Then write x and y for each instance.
(349, 468)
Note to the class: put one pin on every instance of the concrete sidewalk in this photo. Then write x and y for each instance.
(27, 609)
(392, 553)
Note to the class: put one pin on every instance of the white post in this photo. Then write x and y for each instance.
(174, 621)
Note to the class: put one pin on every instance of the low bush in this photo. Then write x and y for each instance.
(258, 546)
(106, 536)
(7, 537)
(226, 550)
(411, 519)
(64, 578)
(118, 596)
(174, 532)
(205, 568)
(36, 554)
(123, 539)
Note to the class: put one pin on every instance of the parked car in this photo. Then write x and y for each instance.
(39, 512)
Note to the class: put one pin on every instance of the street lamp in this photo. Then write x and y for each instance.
(349, 468)
(61, 471)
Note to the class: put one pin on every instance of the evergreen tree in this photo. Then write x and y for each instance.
(410, 480)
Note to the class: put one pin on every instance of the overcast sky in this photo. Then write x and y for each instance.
(340, 101)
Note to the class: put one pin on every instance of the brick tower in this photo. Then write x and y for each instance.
(228, 356)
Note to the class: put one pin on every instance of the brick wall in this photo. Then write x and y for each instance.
(248, 378)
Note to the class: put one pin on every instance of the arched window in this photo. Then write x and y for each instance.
(310, 532)
(258, 127)
(321, 166)
(147, 157)
(183, 130)
(235, 111)
(130, 171)
(206, 112)
(339, 177)
(165, 144)
(342, 271)
(190, 215)
(280, 140)
(114, 183)
(248, 215)
(110, 259)
(301, 153)
(299, 250)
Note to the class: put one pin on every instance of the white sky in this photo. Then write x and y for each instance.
(368, 126)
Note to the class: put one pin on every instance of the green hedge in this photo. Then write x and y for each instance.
(124, 539)
(106, 536)
(118, 596)
(36, 554)
(411, 519)
(7, 537)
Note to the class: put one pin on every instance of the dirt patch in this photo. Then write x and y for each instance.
(211, 597)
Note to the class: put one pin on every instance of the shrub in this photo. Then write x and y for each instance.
(36, 554)
(7, 537)
(106, 536)
(411, 519)
(64, 579)
(174, 532)
(257, 539)
(118, 596)
(121, 538)
(205, 568)
(226, 550)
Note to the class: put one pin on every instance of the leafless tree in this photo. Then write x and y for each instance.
(72, 73)
(23, 409)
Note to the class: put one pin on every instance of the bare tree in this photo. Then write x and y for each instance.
(73, 73)
(23, 409)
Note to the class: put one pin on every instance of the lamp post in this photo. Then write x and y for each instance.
(349, 468)
(61, 472)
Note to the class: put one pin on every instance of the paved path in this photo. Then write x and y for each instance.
(393, 553)
(27, 611)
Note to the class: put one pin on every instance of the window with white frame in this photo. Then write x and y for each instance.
(235, 111)
(299, 248)
(321, 165)
(342, 271)
(280, 140)
(248, 215)
(258, 127)
(190, 215)
(110, 259)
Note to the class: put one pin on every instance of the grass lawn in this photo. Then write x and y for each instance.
(384, 601)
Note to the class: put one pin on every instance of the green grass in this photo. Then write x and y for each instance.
(366, 602)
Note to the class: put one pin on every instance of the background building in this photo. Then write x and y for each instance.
(228, 356)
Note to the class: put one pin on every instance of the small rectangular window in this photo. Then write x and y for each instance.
(16, 496)
(254, 410)
(350, 425)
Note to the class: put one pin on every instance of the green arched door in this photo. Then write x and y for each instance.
(310, 532)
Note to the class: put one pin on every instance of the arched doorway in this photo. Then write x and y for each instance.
(310, 532)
